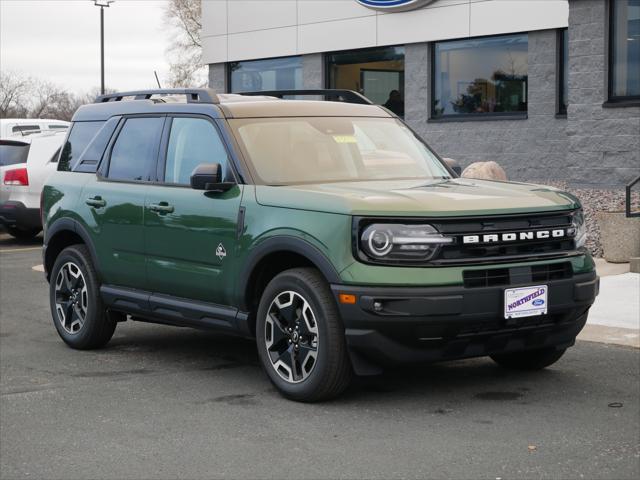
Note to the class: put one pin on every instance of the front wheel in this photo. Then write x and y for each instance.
(300, 337)
(76, 307)
(529, 360)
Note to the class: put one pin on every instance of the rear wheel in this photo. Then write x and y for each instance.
(529, 360)
(77, 309)
(300, 337)
(23, 234)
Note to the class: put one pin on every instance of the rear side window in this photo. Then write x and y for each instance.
(12, 153)
(134, 154)
(88, 162)
(81, 134)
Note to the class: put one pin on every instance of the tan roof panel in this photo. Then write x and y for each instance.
(264, 108)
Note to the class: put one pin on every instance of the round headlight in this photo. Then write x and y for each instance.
(380, 242)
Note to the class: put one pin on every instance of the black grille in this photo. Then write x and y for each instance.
(466, 253)
(497, 277)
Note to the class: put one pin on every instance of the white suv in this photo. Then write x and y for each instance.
(28, 126)
(25, 165)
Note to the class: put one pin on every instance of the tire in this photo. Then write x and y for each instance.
(318, 373)
(529, 360)
(86, 324)
(20, 234)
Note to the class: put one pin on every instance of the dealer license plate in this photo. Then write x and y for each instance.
(525, 301)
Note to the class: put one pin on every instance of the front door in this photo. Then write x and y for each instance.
(191, 234)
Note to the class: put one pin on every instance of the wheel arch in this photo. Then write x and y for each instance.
(271, 257)
(62, 234)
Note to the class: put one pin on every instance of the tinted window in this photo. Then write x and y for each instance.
(270, 74)
(94, 151)
(134, 154)
(13, 152)
(625, 48)
(58, 127)
(377, 73)
(480, 76)
(192, 141)
(79, 137)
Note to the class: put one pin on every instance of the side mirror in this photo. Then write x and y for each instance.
(208, 177)
(453, 165)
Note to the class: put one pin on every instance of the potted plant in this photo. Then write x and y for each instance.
(619, 234)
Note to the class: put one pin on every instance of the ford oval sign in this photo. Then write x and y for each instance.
(394, 5)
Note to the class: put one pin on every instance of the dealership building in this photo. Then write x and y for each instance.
(550, 89)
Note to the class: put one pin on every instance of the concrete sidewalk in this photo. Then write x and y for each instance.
(615, 316)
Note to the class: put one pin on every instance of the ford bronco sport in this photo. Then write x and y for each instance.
(326, 230)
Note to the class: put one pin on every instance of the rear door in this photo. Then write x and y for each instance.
(191, 234)
(113, 201)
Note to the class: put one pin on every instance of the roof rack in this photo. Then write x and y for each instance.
(194, 95)
(333, 95)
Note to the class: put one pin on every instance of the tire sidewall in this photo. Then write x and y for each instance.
(291, 281)
(94, 307)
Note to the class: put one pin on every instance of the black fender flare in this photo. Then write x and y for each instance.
(284, 243)
(69, 224)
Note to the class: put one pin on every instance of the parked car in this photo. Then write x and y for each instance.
(328, 231)
(27, 126)
(25, 164)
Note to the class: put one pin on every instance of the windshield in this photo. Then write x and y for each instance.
(285, 151)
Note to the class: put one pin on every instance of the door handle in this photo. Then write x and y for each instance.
(96, 202)
(161, 208)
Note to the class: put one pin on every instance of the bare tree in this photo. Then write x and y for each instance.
(14, 90)
(26, 97)
(185, 53)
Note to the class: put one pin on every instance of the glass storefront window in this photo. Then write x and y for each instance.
(269, 74)
(377, 73)
(563, 72)
(480, 76)
(624, 71)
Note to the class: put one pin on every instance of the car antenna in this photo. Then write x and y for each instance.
(157, 79)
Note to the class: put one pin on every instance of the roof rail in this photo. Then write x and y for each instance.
(194, 95)
(334, 95)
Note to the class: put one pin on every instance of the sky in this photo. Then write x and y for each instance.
(59, 41)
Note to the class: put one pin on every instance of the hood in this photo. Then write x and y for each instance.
(458, 197)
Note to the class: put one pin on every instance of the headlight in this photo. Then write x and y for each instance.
(389, 242)
(580, 229)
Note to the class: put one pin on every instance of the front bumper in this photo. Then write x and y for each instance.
(413, 325)
(17, 215)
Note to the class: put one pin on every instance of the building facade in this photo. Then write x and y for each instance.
(550, 89)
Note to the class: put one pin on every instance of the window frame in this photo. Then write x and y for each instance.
(164, 149)
(614, 100)
(470, 117)
(561, 110)
(105, 165)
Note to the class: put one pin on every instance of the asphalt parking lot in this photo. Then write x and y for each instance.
(163, 402)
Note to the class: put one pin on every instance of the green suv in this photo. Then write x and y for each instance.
(326, 230)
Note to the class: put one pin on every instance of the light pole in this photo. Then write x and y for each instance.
(102, 4)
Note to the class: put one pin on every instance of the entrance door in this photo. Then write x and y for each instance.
(191, 234)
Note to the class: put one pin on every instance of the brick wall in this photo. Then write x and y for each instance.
(603, 143)
(528, 149)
